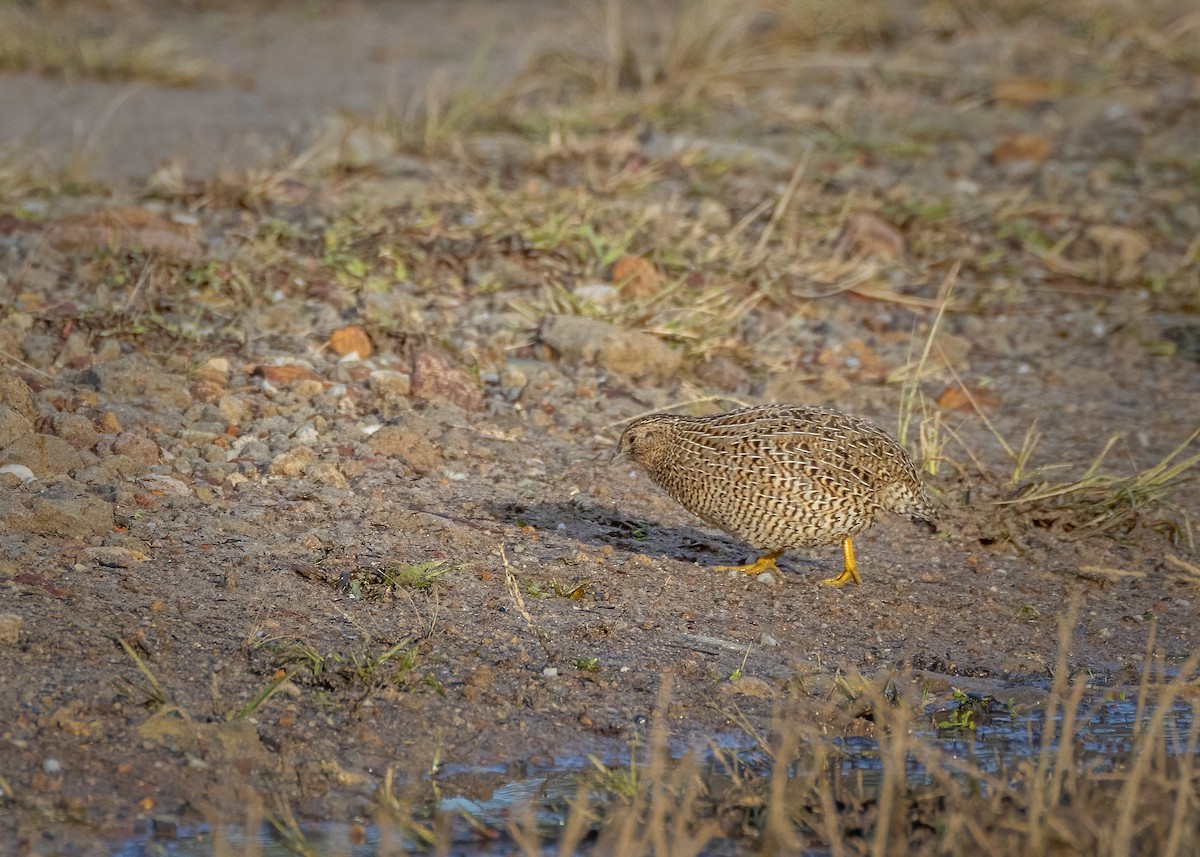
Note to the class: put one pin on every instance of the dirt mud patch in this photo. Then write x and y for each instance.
(306, 493)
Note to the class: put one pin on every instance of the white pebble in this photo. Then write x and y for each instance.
(20, 471)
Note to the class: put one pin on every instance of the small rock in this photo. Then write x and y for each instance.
(326, 473)
(713, 216)
(137, 447)
(109, 424)
(15, 336)
(214, 370)
(75, 429)
(19, 472)
(601, 294)
(409, 441)
(161, 484)
(234, 410)
(723, 373)
(17, 395)
(64, 510)
(628, 352)
(306, 435)
(292, 463)
(436, 377)
(307, 388)
(10, 629)
(13, 425)
(211, 380)
(390, 384)
(513, 380)
(44, 454)
(138, 380)
(123, 467)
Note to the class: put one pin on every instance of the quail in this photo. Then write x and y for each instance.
(780, 477)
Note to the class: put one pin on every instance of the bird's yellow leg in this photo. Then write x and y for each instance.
(763, 563)
(850, 569)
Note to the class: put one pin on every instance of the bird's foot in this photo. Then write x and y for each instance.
(763, 563)
(849, 567)
(842, 579)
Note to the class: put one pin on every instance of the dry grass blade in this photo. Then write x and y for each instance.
(262, 696)
(1190, 572)
(159, 696)
(781, 206)
(911, 397)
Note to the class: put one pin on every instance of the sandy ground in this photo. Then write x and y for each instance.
(424, 556)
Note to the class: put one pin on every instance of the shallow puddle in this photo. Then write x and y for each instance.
(987, 733)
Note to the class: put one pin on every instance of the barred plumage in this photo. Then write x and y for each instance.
(780, 477)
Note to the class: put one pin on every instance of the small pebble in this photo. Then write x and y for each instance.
(51, 766)
(10, 629)
(20, 471)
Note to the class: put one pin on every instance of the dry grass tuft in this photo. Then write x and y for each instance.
(43, 43)
(1100, 501)
(657, 51)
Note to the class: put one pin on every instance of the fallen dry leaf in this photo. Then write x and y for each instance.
(870, 367)
(957, 398)
(1027, 90)
(866, 234)
(1021, 147)
(287, 374)
(637, 278)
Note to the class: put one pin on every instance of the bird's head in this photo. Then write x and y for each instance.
(646, 441)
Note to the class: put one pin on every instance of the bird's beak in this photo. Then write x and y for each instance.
(618, 456)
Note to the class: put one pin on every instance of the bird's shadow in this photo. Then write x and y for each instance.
(601, 525)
